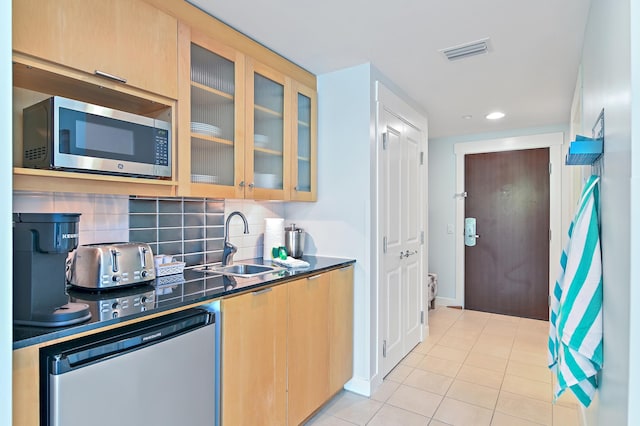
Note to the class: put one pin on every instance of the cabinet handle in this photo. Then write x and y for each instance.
(345, 268)
(110, 76)
(295, 188)
(251, 185)
(241, 183)
(263, 291)
(315, 277)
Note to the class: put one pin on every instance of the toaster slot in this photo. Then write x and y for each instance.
(114, 260)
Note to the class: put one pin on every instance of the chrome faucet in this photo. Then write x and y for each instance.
(229, 249)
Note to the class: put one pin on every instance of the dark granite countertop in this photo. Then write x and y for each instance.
(173, 292)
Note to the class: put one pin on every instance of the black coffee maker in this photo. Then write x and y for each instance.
(41, 244)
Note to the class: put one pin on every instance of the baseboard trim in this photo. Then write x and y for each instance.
(359, 385)
(446, 301)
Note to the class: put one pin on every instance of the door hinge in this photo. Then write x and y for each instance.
(422, 158)
(384, 348)
(421, 237)
(421, 317)
(550, 167)
(549, 234)
(385, 137)
(384, 244)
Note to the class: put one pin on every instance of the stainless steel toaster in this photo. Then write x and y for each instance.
(108, 265)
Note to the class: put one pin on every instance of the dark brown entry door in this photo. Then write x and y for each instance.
(507, 271)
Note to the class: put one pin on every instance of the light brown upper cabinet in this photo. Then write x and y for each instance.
(304, 144)
(268, 139)
(239, 125)
(211, 117)
(128, 41)
(235, 146)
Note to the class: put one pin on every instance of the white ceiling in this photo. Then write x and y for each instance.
(529, 73)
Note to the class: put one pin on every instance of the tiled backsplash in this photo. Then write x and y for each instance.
(194, 226)
(190, 229)
(104, 218)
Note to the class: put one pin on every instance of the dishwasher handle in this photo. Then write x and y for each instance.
(135, 337)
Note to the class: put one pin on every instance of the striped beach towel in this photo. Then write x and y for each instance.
(575, 323)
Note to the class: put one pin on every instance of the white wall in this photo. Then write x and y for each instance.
(634, 251)
(606, 69)
(339, 223)
(103, 218)
(6, 248)
(442, 203)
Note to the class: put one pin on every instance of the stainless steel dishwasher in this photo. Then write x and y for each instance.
(156, 372)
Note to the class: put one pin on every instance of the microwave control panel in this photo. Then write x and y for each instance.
(162, 147)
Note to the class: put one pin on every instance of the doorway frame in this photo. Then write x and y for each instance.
(554, 142)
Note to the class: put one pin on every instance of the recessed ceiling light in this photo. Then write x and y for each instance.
(467, 117)
(497, 115)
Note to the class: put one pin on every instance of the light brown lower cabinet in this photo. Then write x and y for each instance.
(308, 347)
(26, 386)
(286, 350)
(340, 328)
(254, 357)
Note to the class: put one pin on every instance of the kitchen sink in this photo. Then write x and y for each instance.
(241, 269)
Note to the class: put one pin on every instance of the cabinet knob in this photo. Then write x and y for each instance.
(242, 184)
(251, 185)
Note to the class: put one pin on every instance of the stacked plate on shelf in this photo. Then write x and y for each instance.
(267, 180)
(260, 140)
(205, 129)
(204, 179)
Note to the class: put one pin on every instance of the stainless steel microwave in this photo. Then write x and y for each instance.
(60, 133)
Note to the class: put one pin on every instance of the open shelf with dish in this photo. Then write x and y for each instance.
(268, 128)
(212, 117)
(303, 164)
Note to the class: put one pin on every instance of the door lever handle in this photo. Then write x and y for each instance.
(470, 234)
(408, 253)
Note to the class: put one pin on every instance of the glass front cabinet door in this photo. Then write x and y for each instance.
(303, 164)
(216, 93)
(267, 132)
(250, 130)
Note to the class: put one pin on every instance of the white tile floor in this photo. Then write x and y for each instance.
(475, 368)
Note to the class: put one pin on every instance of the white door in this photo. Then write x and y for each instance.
(400, 301)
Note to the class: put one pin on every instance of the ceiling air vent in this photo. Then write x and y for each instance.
(468, 49)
